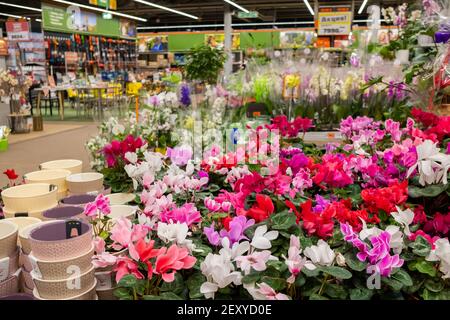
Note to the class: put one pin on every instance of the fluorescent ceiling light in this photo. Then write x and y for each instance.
(13, 16)
(19, 6)
(221, 25)
(362, 7)
(236, 5)
(309, 6)
(114, 13)
(151, 4)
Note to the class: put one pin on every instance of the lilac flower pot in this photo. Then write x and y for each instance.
(18, 296)
(77, 200)
(66, 212)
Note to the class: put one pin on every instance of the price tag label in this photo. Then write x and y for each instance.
(104, 280)
(4, 268)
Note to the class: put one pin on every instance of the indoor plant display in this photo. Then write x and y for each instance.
(204, 64)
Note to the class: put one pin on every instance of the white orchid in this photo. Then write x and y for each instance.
(432, 165)
(405, 218)
(441, 252)
(321, 254)
(219, 272)
(261, 239)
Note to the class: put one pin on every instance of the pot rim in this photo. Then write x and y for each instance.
(91, 251)
(15, 228)
(26, 185)
(63, 174)
(95, 176)
(89, 231)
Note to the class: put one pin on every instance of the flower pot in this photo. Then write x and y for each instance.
(66, 288)
(66, 212)
(77, 200)
(119, 211)
(82, 183)
(24, 262)
(9, 265)
(120, 198)
(28, 291)
(11, 285)
(74, 166)
(30, 197)
(402, 56)
(8, 238)
(26, 280)
(60, 270)
(89, 294)
(3, 145)
(106, 280)
(18, 296)
(107, 294)
(56, 177)
(24, 235)
(30, 214)
(49, 242)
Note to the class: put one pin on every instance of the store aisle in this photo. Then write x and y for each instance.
(25, 156)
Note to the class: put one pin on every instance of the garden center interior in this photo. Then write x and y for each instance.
(246, 149)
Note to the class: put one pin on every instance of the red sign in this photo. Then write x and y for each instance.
(18, 31)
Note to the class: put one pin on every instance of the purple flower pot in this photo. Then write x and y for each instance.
(77, 200)
(442, 36)
(66, 212)
(18, 296)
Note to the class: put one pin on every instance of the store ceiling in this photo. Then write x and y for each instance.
(211, 11)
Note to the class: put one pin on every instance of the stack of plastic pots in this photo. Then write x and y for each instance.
(9, 259)
(87, 182)
(24, 223)
(61, 257)
(72, 165)
(29, 199)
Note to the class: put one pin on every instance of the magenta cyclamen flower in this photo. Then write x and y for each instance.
(185, 214)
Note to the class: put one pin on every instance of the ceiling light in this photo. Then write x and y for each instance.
(236, 5)
(309, 6)
(151, 4)
(234, 25)
(362, 7)
(114, 13)
(13, 16)
(19, 6)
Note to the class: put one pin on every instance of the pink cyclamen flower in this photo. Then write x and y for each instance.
(256, 261)
(102, 204)
(180, 155)
(212, 205)
(173, 259)
(187, 213)
(270, 293)
(90, 210)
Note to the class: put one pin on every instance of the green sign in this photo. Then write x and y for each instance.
(74, 20)
(248, 15)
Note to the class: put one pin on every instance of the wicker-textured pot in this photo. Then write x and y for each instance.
(77, 200)
(74, 166)
(24, 236)
(8, 238)
(23, 222)
(18, 296)
(33, 197)
(90, 294)
(26, 280)
(27, 290)
(9, 265)
(82, 183)
(62, 213)
(57, 270)
(65, 288)
(120, 199)
(24, 262)
(11, 285)
(56, 177)
(107, 294)
(49, 243)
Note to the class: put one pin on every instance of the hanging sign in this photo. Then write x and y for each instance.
(334, 21)
(18, 31)
(107, 4)
(248, 15)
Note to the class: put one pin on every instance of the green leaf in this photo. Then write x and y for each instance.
(310, 273)
(194, 283)
(277, 284)
(403, 276)
(337, 272)
(283, 220)
(335, 291)
(394, 284)
(315, 296)
(300, 280)
(430, 191)
(176, 286)
(251, 278)
(426, 267)
(122, 293)
(420, 246)
(152, 297)
(360, 294)
(128, 281)
(354, 263)
(170, 296)
(434, 286)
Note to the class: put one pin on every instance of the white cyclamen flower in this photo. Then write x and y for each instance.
(131, 157)
(320, 254)
(118, 129)
(405, 218)
(219, 272)
(441, 253)
(261, 239)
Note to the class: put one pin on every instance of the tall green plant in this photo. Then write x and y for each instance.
(204, 64)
